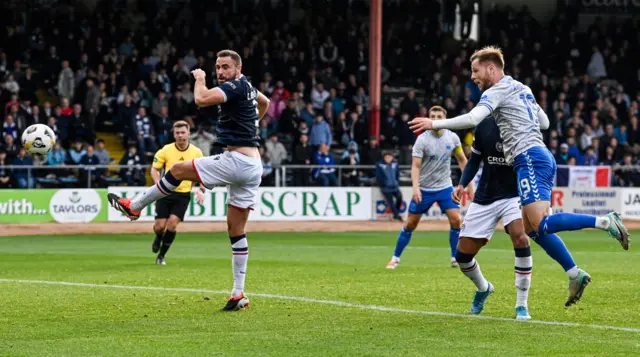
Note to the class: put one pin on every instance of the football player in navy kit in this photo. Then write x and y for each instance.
(239, 168)
(496, 198)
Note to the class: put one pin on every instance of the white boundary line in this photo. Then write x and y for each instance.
(328, 302)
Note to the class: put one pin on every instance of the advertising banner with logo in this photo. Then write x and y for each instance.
(630, 198)
(595, 201)
(50, 205)
(274, 204)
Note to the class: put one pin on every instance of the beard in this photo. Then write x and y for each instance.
(230, 78)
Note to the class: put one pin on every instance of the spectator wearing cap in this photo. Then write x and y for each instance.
(563, 155)
(388, 177)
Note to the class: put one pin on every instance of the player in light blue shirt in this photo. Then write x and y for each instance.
(519, 119)
(431, 181)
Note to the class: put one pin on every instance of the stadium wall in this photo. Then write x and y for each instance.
(280, 204)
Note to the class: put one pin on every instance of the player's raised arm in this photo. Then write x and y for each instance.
(465, 121)
(263, 104)
(203, 96)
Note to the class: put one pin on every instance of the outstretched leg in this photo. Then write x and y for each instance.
(169, 182)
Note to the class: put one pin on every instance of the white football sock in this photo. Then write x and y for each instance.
(473, 272)
(153, 193)
(240, 249)
(523, 269)
(603, 222)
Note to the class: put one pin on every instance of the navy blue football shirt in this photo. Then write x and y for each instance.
(498, 180)
(238, 115)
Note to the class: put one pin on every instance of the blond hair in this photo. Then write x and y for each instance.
(231, 53)
(491, 54)
(181, 124)
(437, 108)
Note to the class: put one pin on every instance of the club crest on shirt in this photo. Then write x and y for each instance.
(499, 146)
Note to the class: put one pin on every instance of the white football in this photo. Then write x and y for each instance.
(38, 139)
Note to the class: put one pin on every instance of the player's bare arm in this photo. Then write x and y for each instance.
(416, 163)
(203, 96)
(462, 161)
(263, 104)
(155, 175)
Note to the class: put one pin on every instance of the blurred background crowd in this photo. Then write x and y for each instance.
(111, 82)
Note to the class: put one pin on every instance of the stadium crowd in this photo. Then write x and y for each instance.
(127, 70)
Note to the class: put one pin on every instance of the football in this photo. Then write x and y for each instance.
(38, 139)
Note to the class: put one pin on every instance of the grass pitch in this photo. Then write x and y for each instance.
(411, 311)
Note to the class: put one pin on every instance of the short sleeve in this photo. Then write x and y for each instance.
(493, 97)
(159, 159)
(231, 90)
(418, 147)
(456, 140)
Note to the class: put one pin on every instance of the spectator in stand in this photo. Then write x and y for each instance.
(289, 120)
(563, 156)
(9, 128)
(76, 153)
(92, 107)
(145, 131)
(5, 174)
(388, 177)
(89, 161)
(586, 138)
(10, 147)
(21, 176)
(57, 156)
(308, 114)
(101, 153)
(351, 157)
(318, 96)
(275, 151)
(325, 175)
(132, 174)
(268, 178)
(160, 102)
(203, 140)
(627, 173)
(66, 82)
(302, 155)
(590, 158)
(320, 133)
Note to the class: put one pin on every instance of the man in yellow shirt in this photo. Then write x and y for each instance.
(170, 210)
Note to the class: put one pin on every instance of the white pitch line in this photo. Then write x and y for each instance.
(328, 302)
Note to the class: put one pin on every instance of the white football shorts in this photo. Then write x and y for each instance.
(240, 173)
(481, 220)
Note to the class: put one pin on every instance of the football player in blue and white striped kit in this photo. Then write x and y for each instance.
(520, 119)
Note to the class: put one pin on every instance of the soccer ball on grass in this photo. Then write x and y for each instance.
(38, 139)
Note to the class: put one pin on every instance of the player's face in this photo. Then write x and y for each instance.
(181, 135)
(226, 69)
(480, 74)
(436, 115)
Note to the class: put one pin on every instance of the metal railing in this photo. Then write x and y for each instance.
(283, 175)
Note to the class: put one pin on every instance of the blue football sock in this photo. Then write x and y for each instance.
(454, 234)
(403, 239)
(561, 222)
(555, 248)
